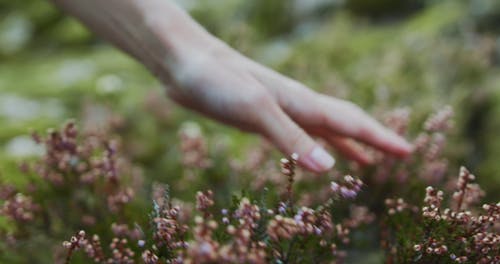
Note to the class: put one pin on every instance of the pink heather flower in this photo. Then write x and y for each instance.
(206, 249)
(347, 193)
(141, 243)
(334, 186)
(282, 208)
(298, 218)
(349, 188)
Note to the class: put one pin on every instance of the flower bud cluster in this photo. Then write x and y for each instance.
(282, 228)
(306, 222)
(169, 232)
(193, 146)
(288, 169)
(204, 200)
(348, 189)
(359, 215)
(20, 208)
(398, 120)
(433, 199)
(466, 193)
(204, 248)
(117, 200)
(7, 191)
(396, 205)
(92, 247)
(434, 167)
(122, 230)
(149, 257)
(428, 161)
(120, 252)
(440, 121)
(88, 161)
(242, 248)
(431, 247)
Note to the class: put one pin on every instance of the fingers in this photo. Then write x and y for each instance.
(384, 139)
(310, 109)
(348, 148)
(290, 138)
(349, 120)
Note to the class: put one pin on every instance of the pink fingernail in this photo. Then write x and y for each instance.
(319, 159)
(407, 147)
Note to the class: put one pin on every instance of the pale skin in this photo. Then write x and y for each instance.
(204, 74)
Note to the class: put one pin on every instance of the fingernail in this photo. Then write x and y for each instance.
(319, 159)
(404, 145)
(407, 146)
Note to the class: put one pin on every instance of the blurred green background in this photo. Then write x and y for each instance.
(382, 55)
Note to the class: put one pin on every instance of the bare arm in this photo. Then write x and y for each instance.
(152, 31)
(206, 75)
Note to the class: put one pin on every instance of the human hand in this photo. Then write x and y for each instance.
(204, 74)
(217, 81)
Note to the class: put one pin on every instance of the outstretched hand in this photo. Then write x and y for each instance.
(206, 75)
(231, 88)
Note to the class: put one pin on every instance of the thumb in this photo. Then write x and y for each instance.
(287, 136)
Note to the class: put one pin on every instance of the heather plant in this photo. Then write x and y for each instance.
(418, 226)
(244, 232)
(82, 182)
(92, 164)
(428, 164)
(388, 177)
(79, 181)
(457, 231)
(252, 232)
(443, 52)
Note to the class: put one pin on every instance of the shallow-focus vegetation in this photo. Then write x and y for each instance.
(136, 170)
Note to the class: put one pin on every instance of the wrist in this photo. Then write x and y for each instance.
(183, 43)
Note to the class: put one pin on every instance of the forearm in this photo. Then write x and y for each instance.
(156, 32)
